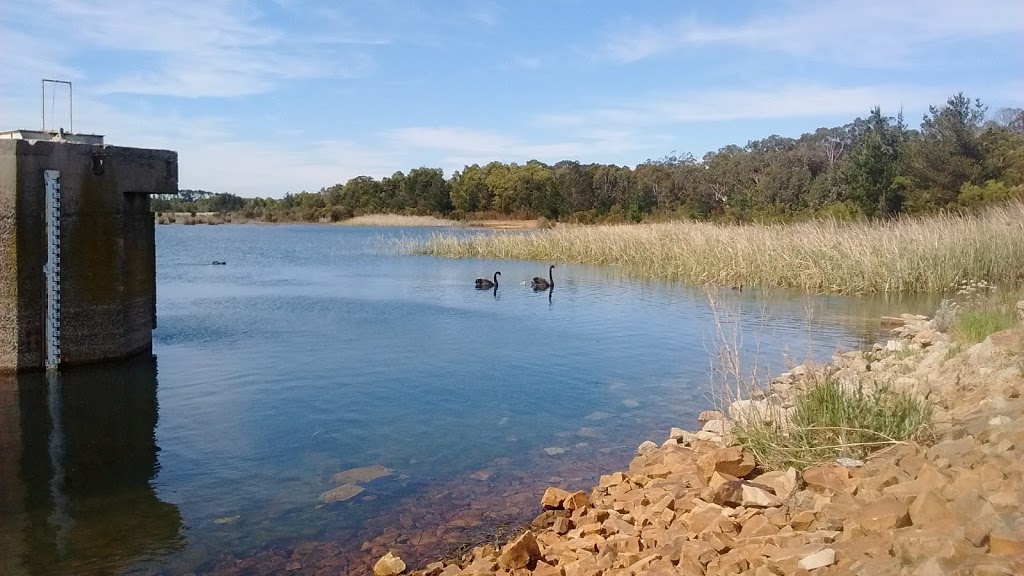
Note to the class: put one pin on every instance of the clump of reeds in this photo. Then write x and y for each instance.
(922, 254)
(397, 220)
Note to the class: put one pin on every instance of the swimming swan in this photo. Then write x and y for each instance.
(482, 283)
(539, 283)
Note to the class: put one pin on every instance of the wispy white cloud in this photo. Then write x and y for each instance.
(476, 143)
(871, 33)
(459, 147)
(797, 100)
(188, 48)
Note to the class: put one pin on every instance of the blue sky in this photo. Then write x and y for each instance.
(275, 96)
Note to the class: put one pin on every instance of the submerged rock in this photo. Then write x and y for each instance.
(340, 494)
(361, 475)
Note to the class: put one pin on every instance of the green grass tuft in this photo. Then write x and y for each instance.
(829, 421)
(975, 325)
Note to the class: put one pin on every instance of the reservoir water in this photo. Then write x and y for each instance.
(318, 349)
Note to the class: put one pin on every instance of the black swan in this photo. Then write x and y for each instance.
(485, 283)
(539, 283)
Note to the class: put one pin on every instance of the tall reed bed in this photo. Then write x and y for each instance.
(923, 254)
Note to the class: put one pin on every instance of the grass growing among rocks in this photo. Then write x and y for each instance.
(927, 254)
(830, 421)
(976, 325)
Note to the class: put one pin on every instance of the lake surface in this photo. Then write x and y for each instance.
(317, 349)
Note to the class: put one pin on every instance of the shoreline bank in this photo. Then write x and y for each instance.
(700, 504)
(375, 221)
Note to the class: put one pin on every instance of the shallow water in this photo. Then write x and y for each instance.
(317, 349)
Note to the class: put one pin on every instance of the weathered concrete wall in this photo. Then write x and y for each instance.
(108, 274)
(8, 257)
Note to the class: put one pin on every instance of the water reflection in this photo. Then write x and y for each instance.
(77, 457)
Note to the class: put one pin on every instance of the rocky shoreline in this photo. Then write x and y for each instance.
(699, 504)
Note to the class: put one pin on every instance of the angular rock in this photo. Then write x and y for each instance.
(719, 479)
(929, 508)
(479, 567)
(821, 559)
(646, 447)
(732, 461)
(389, 565)
(758, 526)
(576, 501)
(1005, 542)
(700, 518)
(913, 545)
(729, 494)
(553, 498)
(756, 497)
(882, 515)
(925, 338)
(786, 484)
(709, 415)
(849, 463)
(716, 427)
(802, 520)
(824, 479)
(752, 411)
(680, 436)
(520, 553)
(545, 569)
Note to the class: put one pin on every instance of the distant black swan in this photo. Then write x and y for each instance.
(485, 283)
(539, 283)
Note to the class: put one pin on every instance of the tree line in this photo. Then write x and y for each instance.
(959, 157)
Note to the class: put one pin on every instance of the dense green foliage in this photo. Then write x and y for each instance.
(874, 167)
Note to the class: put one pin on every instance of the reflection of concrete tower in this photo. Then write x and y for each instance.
(78, 495)
(12, 490)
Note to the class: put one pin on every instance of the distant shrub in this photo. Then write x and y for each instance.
(991, 192)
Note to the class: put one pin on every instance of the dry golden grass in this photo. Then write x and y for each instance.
(398, 220)
(908, 255)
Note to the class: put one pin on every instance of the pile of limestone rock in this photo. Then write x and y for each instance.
(697, 505)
